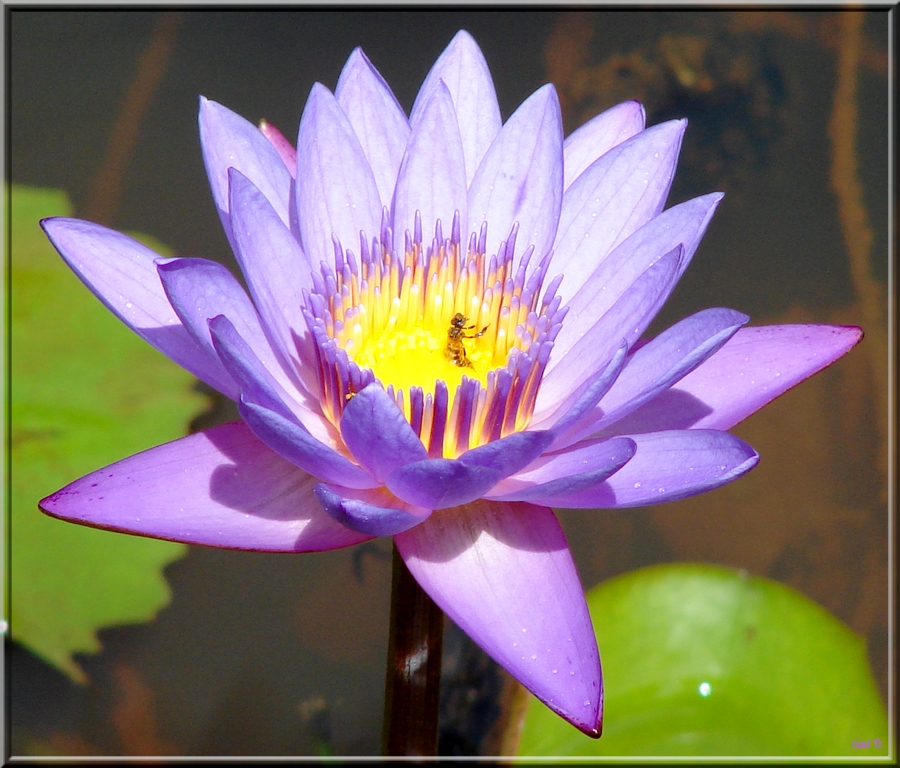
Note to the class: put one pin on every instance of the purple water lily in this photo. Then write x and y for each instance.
(441, 341)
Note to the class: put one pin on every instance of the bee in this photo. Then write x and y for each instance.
(456, 350)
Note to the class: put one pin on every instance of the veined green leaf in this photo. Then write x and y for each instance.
(85, 391)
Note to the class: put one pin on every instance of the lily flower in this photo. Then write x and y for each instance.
(440, 341)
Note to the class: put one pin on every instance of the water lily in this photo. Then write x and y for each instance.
(441, 340)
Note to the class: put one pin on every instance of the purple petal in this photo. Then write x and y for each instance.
(508, 454)
(668, 466)
(465, 73)
(660, 363)
(292, 441)
(753, 368)
(625, 321)
(277, 271)
(599, 135)
(566, 419)
(282, 146)
(504, 574)
(432, 178)
(374, 512)
(122, 274)
(561, 474)
(615, 196)
(377, 433)
(336, 191)
(589, 298)
(219, 488)
(255, 381)
(258, 385)
(377, 119)
(199, 290)
(230, 141)
(442, 483)
(520, 177)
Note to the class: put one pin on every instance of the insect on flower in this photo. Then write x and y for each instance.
(456, 349)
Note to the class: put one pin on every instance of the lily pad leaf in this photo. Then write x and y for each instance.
(701, 660)
(84, 392)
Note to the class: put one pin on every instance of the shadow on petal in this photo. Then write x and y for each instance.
(459, 528)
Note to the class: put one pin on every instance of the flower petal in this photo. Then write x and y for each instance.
(623, 190)
(282, 146)
(560, 474)
(293, 442)
(599, 135)
(504, 574)
(121, 272)
(377, 119)
(277, 272)
(230, 141)
(373, 512)
(442, 483)
(220, 488)
(336, 191)
(625, 321)
(198, 290)
(566, 419)
(520, 177)
(753, 368)
(258, 384)
(668, 466)
(465, 73)
(432, 178)
(683, 225)
(377, 433)
(660, 363)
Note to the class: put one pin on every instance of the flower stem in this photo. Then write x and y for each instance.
(413, 681)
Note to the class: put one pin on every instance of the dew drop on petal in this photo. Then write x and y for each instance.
(637, 485)
(554, 671)
(587, 703)
(533, 656)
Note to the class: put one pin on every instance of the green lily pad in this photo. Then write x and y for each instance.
(85, 391)
(706, 661)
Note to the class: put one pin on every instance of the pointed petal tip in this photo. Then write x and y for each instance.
(854, 332)
(463, 35)
(464, 39)
(590, 726)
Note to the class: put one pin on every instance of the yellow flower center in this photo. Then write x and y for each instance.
(412, 327)
(458, 338)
